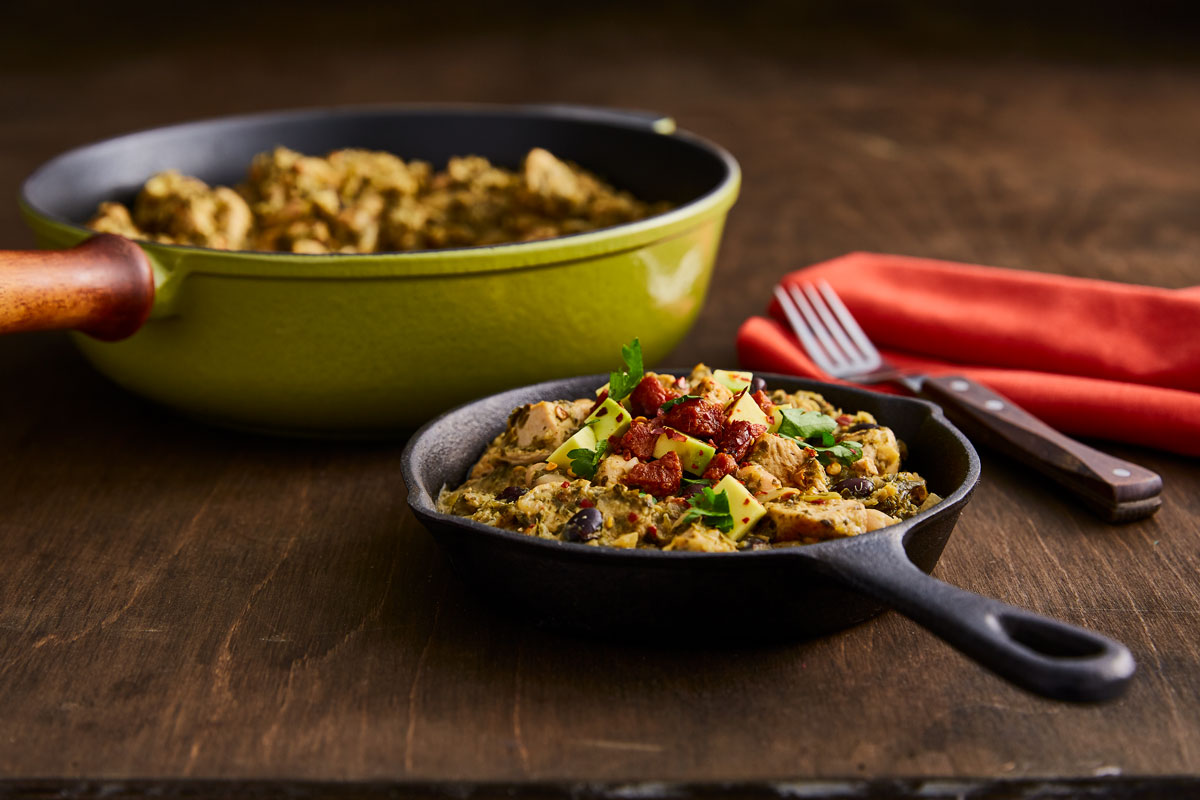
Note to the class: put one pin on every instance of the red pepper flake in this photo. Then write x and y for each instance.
(633, 517)
(745, 519)
(585, 503)
(565, 484)
(650, 529)
(621, 417)
(603, 410)
(746, 502)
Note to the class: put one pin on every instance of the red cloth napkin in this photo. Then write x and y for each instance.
(1091, 358)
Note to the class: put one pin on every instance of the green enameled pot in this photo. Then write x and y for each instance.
(369, 344)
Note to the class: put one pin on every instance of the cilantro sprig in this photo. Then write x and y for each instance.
(667, 406)
(620, 384)
(584, 462)
(711, 508)
(814, 429)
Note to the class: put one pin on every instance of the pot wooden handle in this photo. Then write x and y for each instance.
(103, 287)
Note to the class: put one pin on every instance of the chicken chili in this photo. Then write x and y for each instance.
(361, 201)
(713, 461)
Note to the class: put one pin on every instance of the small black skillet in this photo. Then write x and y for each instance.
(788, 593)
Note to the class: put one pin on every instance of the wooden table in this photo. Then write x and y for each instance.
(196, 612)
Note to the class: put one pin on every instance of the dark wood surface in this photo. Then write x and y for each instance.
(189, 607)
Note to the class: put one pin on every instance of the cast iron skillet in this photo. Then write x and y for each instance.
(765, 594)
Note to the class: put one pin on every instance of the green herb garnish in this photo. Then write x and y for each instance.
(711, 508)
(667, 406)
(799, 424)
(620, 384)
(814, 429)
(584, 462)
(845, 453)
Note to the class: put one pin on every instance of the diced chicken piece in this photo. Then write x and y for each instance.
(812, 477)
(115, 218)
(784, 458)
(612, 469)
(536, 429)
(881, 451)
(540, 425)
(701, 539)
(189, 212)
(554, 181)
(712, 391)
(808, 401)
(832, 518)
(878, 519)
(757, 479)
(626, 540)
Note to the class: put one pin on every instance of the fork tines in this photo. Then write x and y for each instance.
(827, 331)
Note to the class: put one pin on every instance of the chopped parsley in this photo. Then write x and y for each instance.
(711, 508)
(814, 429)
(620, 384)
(584, 462)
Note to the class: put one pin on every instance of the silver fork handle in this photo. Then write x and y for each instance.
(1116, 489)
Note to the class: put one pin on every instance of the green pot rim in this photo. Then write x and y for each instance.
(173, 260)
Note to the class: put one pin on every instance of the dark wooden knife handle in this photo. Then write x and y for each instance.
(103, 287)
(1118, 490)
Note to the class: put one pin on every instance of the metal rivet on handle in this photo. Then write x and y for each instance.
(959, 386)
(994, 405)
(1121, 472)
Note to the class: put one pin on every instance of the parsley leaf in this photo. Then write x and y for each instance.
(800, 424)
(711, 508)
(805, 425)
(845, 453)
(620, 384)
(667, 406)
(584, 461)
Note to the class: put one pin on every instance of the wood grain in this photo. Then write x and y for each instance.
(103, 287)
(188, 607)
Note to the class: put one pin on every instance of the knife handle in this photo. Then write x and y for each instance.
(1118, 490)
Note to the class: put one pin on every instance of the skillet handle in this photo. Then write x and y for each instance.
(1043, 655)
(103, 287)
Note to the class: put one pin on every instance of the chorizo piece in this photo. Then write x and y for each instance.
(660, 478)
(648, 396)
(698, 418)
(638, 441)
(738, 436)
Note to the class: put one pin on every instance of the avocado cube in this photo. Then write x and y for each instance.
(694, 454)
(745, 407)
(610, 419)
(733, 380)
(584, 439)
(744, 509)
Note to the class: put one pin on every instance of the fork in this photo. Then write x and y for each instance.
(1117, 490)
